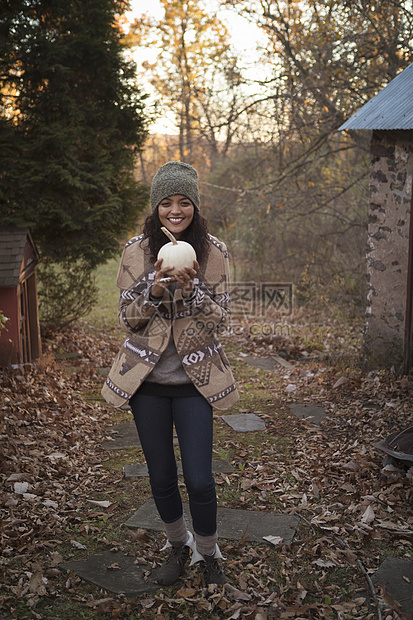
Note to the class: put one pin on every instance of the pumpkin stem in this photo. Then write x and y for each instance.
(169, 235)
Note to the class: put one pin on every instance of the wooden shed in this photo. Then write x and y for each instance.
(388, 328)
(20, 341)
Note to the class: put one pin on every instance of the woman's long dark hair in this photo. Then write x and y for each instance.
(196, 234)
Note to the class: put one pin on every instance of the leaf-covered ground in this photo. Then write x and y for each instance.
(62, 497)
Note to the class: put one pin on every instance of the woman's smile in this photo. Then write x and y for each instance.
(176, 213)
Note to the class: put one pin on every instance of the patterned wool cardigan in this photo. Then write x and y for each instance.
(194, 324)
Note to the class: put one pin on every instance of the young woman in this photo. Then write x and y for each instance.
(171, 367)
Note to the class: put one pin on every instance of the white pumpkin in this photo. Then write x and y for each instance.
(180, 254)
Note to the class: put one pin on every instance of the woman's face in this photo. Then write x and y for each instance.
(176, 213)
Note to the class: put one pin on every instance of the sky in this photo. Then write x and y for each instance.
(244, 35)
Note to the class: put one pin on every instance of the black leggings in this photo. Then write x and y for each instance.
(154, 418)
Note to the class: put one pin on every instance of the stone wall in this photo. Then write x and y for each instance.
(387, 247)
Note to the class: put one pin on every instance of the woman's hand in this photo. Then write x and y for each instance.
(158, 287)
(185, 277)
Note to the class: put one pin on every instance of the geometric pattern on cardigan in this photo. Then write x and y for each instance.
(199, 358)
(221, 395)
(196, 324)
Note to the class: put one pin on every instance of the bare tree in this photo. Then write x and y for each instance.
(195, 75)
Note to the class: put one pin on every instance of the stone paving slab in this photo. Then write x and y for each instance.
(125, 577)
(233, 524)
(141, 471)
(244, 422)
(309, 411)
(124, 436)
(397, 576)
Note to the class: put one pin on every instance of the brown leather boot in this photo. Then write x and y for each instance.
(174, 565)
(211, 571)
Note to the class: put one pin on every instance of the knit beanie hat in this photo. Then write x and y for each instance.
(175, 177)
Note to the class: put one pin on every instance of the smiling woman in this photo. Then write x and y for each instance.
(171, 367)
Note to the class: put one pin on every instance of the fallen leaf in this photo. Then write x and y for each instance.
(97, 603)
(324, 563)
(49, 503)
(234, 594)
(114, 566)
(56, 455)
(388, 598)
(21, 487)
(139, 535)
(274, 540)
(394, 527)
(16, 476)
(348, 487)
(368, 516)
(186, 592)
(37, 584)
(56, 559)
(341, 381)
(102, 504)
(315, 489)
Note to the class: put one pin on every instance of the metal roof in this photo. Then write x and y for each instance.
(391, 108)
(13, 243)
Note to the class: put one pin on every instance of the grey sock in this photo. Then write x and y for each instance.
(206, 544)
(177, 531)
